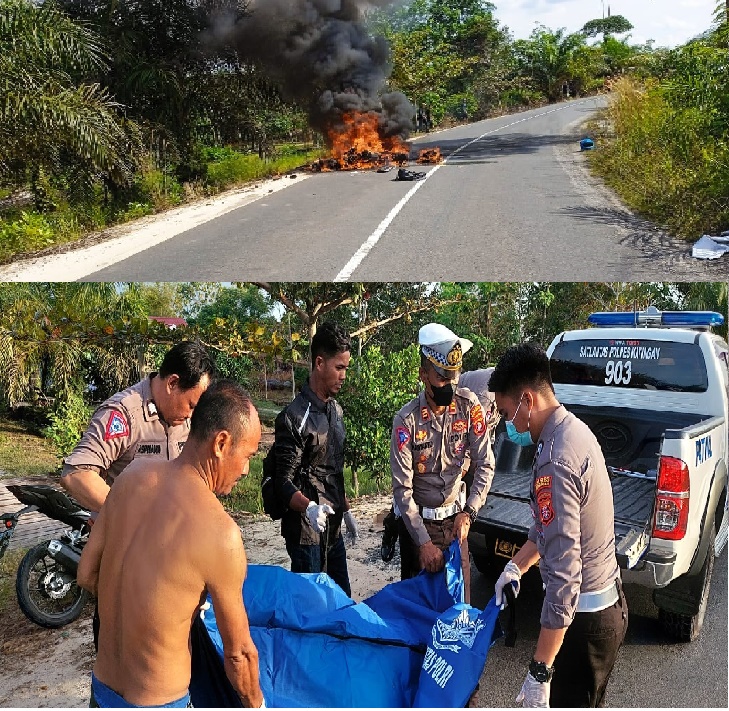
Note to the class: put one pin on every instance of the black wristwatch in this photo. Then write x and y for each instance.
(470, 512)
(540, 671)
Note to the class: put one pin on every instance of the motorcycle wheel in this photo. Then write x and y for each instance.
(47, 594)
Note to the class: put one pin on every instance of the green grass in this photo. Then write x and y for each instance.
(246, 494)
(8, 570)
(28, 231)
(267, 410)
(23, 452)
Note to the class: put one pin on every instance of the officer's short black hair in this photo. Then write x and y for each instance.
(225, 405)
(189, 360)
(522, 366)
(329, 340)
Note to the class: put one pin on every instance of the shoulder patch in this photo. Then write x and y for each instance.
(544, 506)
(478, 423)
(403, 437)
(117, 426)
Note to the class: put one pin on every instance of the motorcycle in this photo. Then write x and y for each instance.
(46, 586)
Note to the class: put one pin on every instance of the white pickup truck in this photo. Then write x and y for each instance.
(653, 388)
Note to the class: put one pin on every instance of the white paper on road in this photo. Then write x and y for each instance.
(710, 247)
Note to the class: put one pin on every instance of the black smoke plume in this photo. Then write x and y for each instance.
(323, 58)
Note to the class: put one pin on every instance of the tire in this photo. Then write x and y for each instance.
(686, 628)
(39, 578)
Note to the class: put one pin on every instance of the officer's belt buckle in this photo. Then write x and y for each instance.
(441, 513)
(600, 600)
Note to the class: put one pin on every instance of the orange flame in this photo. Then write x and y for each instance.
(430, 155)
(357, 145)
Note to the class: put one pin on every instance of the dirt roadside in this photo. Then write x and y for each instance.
(51, 668)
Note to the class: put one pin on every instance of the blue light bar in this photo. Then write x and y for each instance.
(654, 317)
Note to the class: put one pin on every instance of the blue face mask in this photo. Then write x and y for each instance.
(523, 439)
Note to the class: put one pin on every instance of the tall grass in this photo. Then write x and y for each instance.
(665, 158)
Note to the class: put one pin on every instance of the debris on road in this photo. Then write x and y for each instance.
(403, 174)
(711, 247)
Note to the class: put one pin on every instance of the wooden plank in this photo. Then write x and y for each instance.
(34, 527)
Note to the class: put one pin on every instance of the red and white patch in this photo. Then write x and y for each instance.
(460, 426)
(478, 424)
(544, 506)
(117, 426)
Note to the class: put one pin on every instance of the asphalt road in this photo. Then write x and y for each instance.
(651, 671)
(513, 201)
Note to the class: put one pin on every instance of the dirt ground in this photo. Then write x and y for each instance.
(51, 668)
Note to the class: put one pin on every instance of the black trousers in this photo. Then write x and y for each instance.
(587, 656)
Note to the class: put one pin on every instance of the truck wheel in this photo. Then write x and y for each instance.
(686, 628)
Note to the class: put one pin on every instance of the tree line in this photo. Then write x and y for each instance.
(64, 347)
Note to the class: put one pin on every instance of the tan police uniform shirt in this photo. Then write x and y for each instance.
(427, 457)
(125, 427)
(572, 506)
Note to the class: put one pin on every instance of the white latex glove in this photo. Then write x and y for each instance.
(351, 523)
(317, 515)
(510, 576)
(534, 694)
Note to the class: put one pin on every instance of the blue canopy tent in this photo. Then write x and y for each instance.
(414, 643)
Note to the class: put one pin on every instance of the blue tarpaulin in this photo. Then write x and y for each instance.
(414, 643)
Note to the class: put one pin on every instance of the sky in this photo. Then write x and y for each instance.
(668, 22)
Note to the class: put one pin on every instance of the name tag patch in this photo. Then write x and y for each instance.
(149, 449)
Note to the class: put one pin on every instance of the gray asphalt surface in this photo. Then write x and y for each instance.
(651, 671)
(513, 201)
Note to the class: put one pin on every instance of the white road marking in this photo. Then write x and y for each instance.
(138, 236)
(374, 238)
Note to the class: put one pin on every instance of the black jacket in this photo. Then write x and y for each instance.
(309, 436)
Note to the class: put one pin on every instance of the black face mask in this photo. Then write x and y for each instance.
(443, 395)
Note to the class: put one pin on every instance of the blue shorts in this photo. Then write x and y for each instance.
(104, 697)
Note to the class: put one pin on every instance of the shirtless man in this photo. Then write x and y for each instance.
(162, 541)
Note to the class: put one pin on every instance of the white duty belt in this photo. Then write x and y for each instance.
(443, 512)
(600, 600)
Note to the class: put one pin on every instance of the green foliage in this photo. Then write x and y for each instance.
(377, 386)
(605, 26)
(54, 121)
(68, 420)
(668, 148)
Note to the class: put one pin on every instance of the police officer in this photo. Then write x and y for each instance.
(149, 419)
(584, 615)
(477, 381)
(430, 438)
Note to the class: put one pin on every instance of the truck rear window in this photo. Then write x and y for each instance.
(642, 364)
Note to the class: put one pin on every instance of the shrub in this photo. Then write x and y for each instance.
(68, 420)
(377, 386)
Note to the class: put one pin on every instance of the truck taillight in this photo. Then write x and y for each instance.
(672, 500)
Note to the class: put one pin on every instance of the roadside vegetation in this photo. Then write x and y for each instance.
(64, 348)
(664, 146)
(113, 111)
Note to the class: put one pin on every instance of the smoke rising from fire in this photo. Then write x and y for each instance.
(322, 57)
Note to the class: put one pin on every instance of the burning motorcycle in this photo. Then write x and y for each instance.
(46, 586)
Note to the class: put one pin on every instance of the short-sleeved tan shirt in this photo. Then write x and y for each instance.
(124, 428)
(572, 506)
(428, 457)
